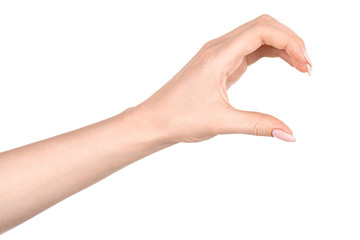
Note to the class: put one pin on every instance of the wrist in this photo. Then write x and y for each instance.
(136, 134)
(148, 124)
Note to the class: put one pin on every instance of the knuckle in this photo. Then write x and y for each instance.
(264, 19)
(257, 125)
(208, 45)
(207, 54)
(255, 129)
(209, 50)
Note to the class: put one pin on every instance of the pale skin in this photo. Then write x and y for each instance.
(193, 106)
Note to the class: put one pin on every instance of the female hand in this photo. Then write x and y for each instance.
(193, 106)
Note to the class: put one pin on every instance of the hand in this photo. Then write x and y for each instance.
(194, 106)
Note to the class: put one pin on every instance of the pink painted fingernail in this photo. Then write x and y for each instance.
(309, 69)
(307, 57)
(280, 134)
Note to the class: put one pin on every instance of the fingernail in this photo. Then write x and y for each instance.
(309, 69)
(280, 134)
(307, 57)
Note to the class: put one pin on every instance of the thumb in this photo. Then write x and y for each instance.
(255, 123)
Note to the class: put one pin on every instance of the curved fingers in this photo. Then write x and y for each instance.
(268, 51)
(264, 30)
(263, 51)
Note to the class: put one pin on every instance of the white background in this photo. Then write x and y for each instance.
(67, 64)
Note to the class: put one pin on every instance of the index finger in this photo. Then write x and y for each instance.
(263, 30)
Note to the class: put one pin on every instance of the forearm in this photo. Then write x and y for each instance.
(36, 176)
